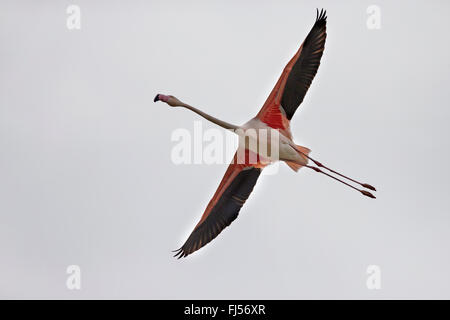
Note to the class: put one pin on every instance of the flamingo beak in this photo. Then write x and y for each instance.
(161, 97)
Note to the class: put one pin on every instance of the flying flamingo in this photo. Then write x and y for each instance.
(276, 113)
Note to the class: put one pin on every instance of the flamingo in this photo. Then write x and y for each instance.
(276, 114)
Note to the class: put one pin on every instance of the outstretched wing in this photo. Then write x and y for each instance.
(296, 78)
(224, 207)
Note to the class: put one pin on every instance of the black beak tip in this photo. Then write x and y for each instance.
(156, 98)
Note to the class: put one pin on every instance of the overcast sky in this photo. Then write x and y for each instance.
(86, 176)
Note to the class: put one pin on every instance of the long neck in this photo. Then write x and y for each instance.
(221, 123)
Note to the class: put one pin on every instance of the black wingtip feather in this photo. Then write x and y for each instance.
(306, 66)
(321, 16)
(179, 253)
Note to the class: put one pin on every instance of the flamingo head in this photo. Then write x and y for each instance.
(170, 100)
